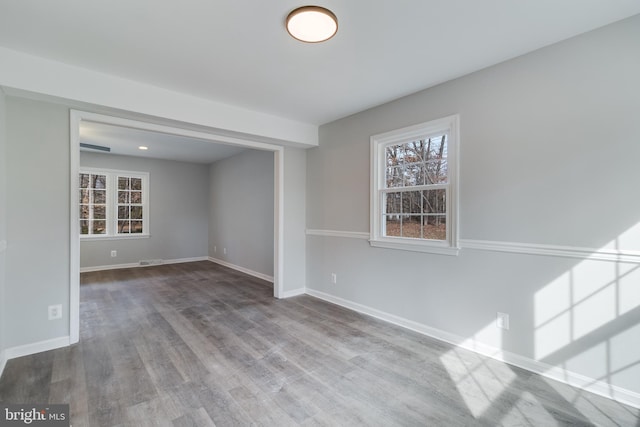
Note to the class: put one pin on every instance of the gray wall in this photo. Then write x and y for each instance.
(3, 215)
(241, 210)
(37, 258)
(549, 155)
(178, 220)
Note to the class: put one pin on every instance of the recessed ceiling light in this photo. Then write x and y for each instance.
(312, 24)
(142, 147)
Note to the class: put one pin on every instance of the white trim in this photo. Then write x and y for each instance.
(74, 239)
(336, 233)
(278, 226)
(3, 362)
(579, 252)
(242, 269)
(582, 382)
(137, 264)
(36, 347)
(449, 125)
(294, 293)
(554, 250)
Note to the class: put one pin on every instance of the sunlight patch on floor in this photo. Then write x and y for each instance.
(479, 380)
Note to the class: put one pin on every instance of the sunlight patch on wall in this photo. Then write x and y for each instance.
(629, 288)
(552, 320)
(582, 320)
(582, 300)
(625, 358)
(627, 241)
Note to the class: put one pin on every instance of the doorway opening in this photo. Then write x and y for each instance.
(78, 118)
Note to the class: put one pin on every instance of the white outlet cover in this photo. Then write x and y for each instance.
(502, 321)
(55, 312)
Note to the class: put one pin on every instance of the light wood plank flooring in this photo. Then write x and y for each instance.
(198, 344)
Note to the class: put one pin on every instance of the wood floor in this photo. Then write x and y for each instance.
(198, 344)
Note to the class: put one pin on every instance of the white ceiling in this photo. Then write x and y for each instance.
(239, 53)
(125, 141)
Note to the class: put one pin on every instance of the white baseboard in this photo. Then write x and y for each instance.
(293, 293)
(582, 382)
(137, 264)
(242, 269)
(36, 347)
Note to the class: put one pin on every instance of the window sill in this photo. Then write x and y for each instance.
(404, 245)
(120, 237)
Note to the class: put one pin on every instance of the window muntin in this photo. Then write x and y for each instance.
(414, 190)
(113, 203)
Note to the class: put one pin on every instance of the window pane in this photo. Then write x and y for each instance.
(434, 201)
(437, 172)
(100, 212)
(84, 180)
(123, 212)
(136, 197)
(84, 212)
(123, 197)
(393, 202)
(84, 196)
(136, 184)
(99, 196)
(136, 227)
(411, 202)
(99, 227)
(436, 148)
(435, 227)
(412, 226)
(123, 226)
(84, 227)
(123, 183)
(136, 212)
(99, 181)
(393, 155)
(393, 225)
(412, 174)
(394, 176)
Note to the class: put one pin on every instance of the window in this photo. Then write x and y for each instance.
(113, 203)
(414, 187)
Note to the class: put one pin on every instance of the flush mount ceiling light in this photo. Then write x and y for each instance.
(142, 147)
(312, 24)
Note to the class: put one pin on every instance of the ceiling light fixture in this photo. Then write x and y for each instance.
(312, 24)
(142, 147)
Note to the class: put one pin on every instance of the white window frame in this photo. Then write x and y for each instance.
(112, 203)
(379, 143)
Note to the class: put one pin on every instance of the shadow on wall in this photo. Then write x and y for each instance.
(588, 316)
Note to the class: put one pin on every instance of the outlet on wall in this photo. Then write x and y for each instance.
(215, 249)
(55, 312)
(114, 254)
(224, 251)
(334, 278)
(502, 321)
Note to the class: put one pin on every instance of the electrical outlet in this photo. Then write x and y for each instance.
(334, 278)
(55, 312)
(502, 321)
(114, 254)
(215, 249)
(224, 251)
